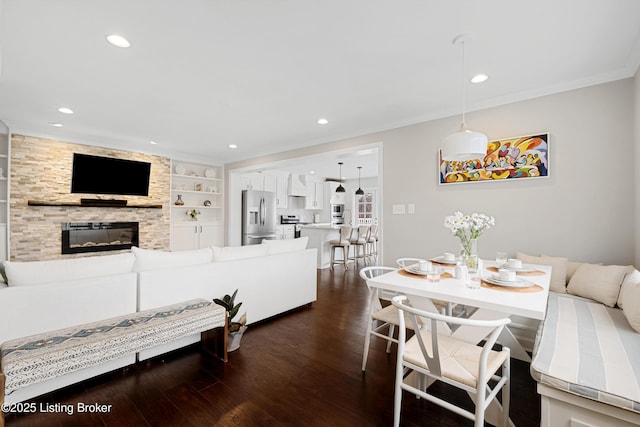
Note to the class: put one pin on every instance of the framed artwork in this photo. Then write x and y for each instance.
(506, 160)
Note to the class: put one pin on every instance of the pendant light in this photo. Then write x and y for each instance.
(359, 191)
(340, 188)
(464, 144)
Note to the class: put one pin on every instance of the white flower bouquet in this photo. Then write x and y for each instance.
(468, 227)
(193, 213)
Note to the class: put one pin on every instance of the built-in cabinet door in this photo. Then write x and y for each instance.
(184, 238)
(210, 235)
(196, 236)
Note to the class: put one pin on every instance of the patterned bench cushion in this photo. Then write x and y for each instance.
(45, 356)
(590, 350)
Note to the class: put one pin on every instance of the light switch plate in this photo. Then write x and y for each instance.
(411, 208)
(398, 210)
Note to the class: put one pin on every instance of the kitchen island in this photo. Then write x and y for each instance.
(319, 236)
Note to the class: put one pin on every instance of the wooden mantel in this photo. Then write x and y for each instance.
(96, 204)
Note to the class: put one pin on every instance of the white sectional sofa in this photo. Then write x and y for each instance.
(586, 357)
(44, 296)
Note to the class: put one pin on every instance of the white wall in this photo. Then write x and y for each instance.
(584, 210)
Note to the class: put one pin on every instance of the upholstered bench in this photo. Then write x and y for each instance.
(586, 361)
(37, 358)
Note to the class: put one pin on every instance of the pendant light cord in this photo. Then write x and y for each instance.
(464, 92)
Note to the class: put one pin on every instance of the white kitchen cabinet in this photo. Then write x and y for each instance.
(282, 198)
(285, 231)
(315, 199)
(253, 181)
(196, 235)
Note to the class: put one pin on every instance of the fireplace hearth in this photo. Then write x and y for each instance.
(98, 236)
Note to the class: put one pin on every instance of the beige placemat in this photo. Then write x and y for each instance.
(528, 289)
(444, 275)
(520, 273)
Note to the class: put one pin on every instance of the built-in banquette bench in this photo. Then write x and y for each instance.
(586, 357)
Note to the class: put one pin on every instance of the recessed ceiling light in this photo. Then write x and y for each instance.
(479, 78)
(233, 146)
(153, 143)
(65, 110)
(56, 125)
(322, 121)
(312, 172)
(118, 41)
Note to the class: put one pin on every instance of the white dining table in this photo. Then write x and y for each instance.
(491, 303)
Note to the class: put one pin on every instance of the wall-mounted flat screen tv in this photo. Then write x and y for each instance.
(108, 175)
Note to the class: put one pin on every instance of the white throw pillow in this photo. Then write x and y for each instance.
(229, 253)
(61, 270)
(630, 280)
(558, 269)
(288, 245)
(598, 282)
(632, 304)
(149, 259)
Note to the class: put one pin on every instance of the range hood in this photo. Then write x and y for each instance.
(297, 186)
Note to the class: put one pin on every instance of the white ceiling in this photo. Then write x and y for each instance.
(202, 74)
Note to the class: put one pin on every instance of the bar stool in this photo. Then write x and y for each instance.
(372, 241)
(343, 242)
(359, 243)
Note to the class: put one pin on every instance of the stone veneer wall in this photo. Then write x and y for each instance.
(41, 170)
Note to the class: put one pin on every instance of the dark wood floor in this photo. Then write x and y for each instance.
(300, 369)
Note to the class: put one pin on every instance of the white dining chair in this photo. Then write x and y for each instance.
(441, 357)
(379, 318)
(444, 307)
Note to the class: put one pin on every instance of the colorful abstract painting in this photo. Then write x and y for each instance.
(507, 159)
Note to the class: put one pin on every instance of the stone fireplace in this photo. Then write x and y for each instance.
(80, 237)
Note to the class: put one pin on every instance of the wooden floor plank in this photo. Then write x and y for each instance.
(302, 369)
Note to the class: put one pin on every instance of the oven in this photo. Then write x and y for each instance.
(337, 214)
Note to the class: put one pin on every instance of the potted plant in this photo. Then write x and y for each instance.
(236, 329)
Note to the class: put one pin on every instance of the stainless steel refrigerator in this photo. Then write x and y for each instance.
(258, 216)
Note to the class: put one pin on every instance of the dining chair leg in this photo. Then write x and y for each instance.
(506, 392)
(392, 328)
(397, 396)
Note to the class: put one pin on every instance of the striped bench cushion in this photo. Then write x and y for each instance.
(49, 355)
(590, 350)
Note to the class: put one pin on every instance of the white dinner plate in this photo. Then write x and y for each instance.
(523, 269)
(440, 260)
(520, 283)
(415, 270)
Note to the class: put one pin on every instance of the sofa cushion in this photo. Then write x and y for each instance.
(558, 269)
(62, 270)
(148, 259)
(288, 245)
(632, 279)
(229, 253)
(632, 304)
(598, 282)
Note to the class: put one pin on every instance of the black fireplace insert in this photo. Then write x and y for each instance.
(98, 236)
